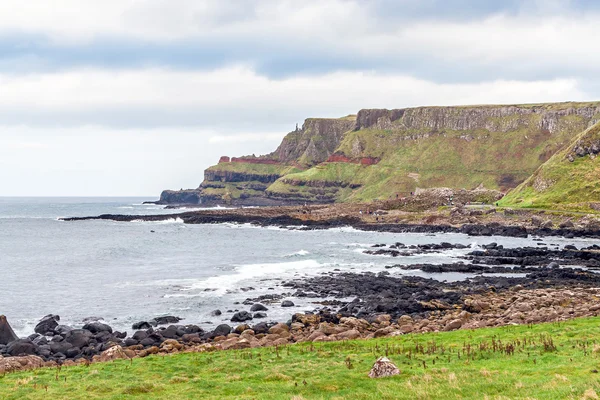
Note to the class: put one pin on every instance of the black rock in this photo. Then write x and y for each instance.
(7, 335)
(189, 329)
(97, 327)
(47, 325)
(140, 335)
(168, 319)
(261, 327)
(141, 325)
(21, 347)
(73, 352)
(216, 313)
(221, 330)
(260, 315)
(241, 316)
(60, 347)
(170, 332)
(147, 342)
(120, 335)
(130, 342)
(258, 307)
(78, 337)
(62, 329)
(287, 303)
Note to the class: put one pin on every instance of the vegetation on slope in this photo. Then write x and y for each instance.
(567, 181)
(411, 159)
(549, 361)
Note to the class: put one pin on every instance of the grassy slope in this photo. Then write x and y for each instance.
(571, 185)
(452, 365)
(438, 160)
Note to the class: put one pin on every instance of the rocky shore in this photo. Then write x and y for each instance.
(391, 217)
(533, 287)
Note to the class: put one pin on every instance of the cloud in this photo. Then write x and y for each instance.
(245, 137)
(430, 39)
(239, 98)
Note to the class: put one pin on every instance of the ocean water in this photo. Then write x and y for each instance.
(124, 272)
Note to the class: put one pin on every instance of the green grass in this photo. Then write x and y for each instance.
(546, 361)
(256, 169)
(560, 183)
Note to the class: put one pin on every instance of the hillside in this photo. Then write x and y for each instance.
(569, 180)
(380, 154)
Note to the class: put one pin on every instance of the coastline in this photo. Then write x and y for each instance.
(382, 306)
(370, 217)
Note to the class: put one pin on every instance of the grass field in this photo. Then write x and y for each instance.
(548, 361)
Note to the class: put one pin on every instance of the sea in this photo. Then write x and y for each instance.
(125, 272)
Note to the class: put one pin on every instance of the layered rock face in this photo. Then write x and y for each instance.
(382, 154)
(315, 142)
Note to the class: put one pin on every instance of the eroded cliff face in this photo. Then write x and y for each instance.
(380, 154)
(314, 143)
(546, 117)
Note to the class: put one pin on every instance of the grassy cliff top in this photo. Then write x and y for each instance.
(257, 169)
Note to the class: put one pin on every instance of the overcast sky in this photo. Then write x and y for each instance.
(129, 97)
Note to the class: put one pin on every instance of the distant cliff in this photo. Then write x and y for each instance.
(380, 154)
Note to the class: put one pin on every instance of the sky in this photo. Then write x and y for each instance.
(130, 97)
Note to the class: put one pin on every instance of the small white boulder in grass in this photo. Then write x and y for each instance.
(383, 367)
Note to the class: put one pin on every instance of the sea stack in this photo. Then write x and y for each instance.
(7, 335)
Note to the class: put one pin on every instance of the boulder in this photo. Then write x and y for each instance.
(287, 303)
(307, 319)
(262, 327)
(12, 364)
(215, 313)
(171, 345)
(114, 353)
(241, 316)
(349, 335)
(241, 328)
(7, 335)
(165, 320)
(97, 327)
(453, 325)
(260, 315)
(47, 325)
(221, 330)
(60, 347)
(21, 347)
(279, 329)
(258, 307)
(382, 368)
(141, 325)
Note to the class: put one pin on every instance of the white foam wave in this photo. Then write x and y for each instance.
(163, 222)
(299, 253)
(250, 272)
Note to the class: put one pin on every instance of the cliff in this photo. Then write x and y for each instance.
(381, 154)
(569, 180)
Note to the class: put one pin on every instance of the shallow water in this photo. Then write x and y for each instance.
(124, 272)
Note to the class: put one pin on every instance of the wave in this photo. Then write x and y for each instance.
(299, 253)
(163, 222)
(219, 285)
